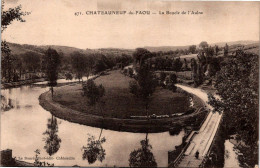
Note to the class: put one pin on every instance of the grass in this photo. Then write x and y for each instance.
(119, 102)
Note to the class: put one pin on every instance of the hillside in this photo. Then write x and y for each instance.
(220, 44)
(22, 48)
(18, 49)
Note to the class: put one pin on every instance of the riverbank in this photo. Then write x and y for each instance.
(117, 124)
(20, 83)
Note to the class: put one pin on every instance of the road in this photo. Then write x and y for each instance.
(202, 140)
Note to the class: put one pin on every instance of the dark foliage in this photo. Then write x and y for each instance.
(93, 92)
(237, 85)
(52, 140)
(51, 63)
(142, 157)
(94, 150)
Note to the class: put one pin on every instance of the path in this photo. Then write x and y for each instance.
(201, 141)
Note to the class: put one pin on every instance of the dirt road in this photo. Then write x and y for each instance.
(202, 140)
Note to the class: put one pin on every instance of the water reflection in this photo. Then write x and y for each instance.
(94, 150)
(6, 104)
(37, 161)
(142, 157)
(52, 140)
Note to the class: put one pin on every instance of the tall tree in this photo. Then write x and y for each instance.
(89, 65)
(203, 45)
(192, 49)
(79, 64)
(141, 54)
(177, 64)
(145, 85)
(171, 80)
(94, 149)
(226, 50)
(7, 17)
(51, 62)
(186, 64)
(216, 49)
(237, 85)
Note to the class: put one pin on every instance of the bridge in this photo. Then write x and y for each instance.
(200, 140)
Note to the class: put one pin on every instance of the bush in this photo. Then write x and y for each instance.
(130, 72)
(133, 86)
(171, 80)
(68, 76)
(93, 92)
(125, 71)
(162, 76)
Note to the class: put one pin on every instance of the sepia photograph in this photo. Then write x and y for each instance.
(132, 83)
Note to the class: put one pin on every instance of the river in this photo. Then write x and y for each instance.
(23, 125)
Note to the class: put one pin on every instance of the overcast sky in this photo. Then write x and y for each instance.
(52, 22)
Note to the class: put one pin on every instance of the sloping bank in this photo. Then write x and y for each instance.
(128, 125)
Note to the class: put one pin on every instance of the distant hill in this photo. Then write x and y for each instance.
(22, 48)
(245, 42)
(220, 44)
(165, 48)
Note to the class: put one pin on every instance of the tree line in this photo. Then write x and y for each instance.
(78, 64)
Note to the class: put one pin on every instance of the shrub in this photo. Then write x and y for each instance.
(93, 92)
(68, 76)
(130, 72)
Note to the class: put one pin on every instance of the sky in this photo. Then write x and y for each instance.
(53, 22)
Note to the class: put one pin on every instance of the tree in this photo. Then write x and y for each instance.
(7, 17)
(214, 66)
(237, 85)
(19, 64)
(196, 72)
(93, 92)
(171, 80)
(141, 54)
(142, 157)
(226, 50)
(186, 64)
(209, 52)
(130, 72)
(31, 61)
(52, 140)
(145, 85)
(162, 76)
(177, 64)
(68, 76)
(104, 63)
(94, 149)
(192, 49)
(216, 49)
(89, 65)
(203, 45)
(10, 15)
(79, 64)
(51, 62)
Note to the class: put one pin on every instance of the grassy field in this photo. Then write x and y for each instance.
(119, 103)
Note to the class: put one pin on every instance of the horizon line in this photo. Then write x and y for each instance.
(86, 48)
